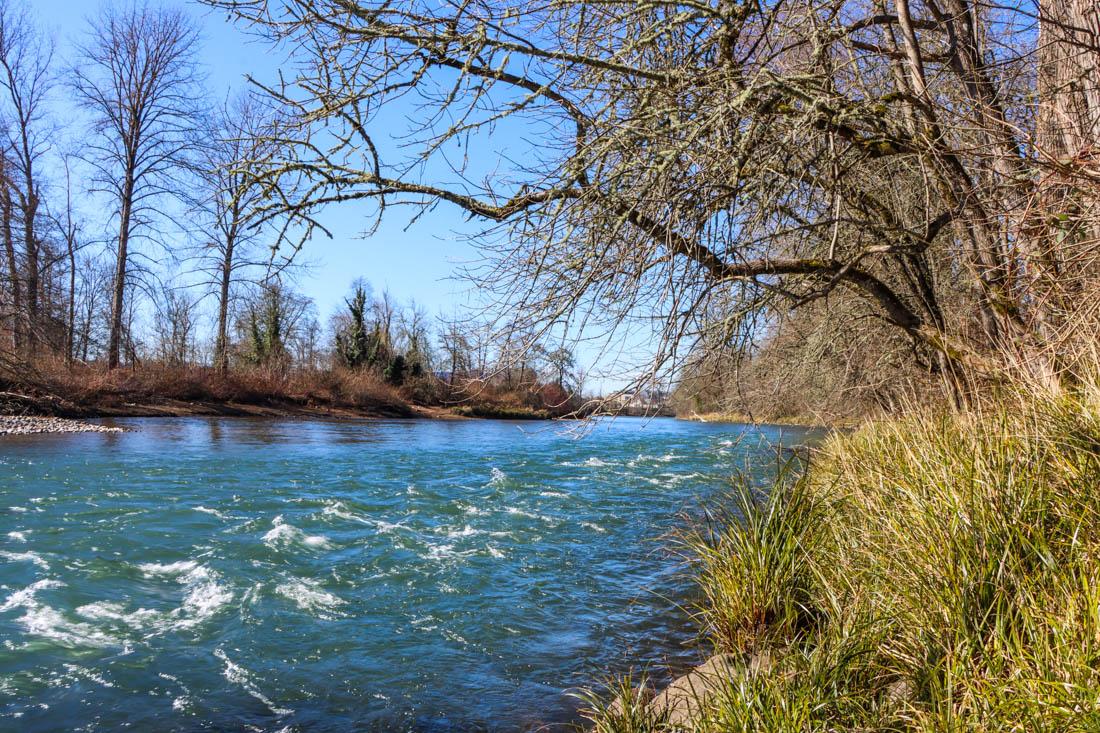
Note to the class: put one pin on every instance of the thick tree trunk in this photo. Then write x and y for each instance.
(30, 247)
(221, 348)
(13, 269)
(70, 341)
(1069, 81)
(1067, 215)
(118, 298)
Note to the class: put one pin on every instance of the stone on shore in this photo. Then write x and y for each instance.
(23, 425)
(686, 697)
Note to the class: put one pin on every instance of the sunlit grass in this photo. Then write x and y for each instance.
(934, 573)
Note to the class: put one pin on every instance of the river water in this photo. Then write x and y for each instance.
(263, 575)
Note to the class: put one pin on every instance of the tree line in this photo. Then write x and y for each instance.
(916, 177)
(186, 219)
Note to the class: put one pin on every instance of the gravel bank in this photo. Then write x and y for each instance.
(35, 425)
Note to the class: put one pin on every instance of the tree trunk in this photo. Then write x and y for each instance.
(30, 246)
(1069, 80)
(221, 348)
(119, 295)
(13, 268)
(70, 342)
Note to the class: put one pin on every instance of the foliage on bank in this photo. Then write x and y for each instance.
(933, 573)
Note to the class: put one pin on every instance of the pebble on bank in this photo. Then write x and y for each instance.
(37, 425)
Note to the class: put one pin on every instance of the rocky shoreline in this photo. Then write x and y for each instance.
(26, 425)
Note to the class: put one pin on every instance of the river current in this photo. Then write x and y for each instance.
(263, 575)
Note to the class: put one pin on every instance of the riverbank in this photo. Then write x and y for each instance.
(84, 392)
(738, 418)
(929, 573)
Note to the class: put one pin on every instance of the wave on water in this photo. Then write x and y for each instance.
(115, 611)
(474, 511)
(643, 459)
(283, 534)
(28, 556)
(592, 526)
(238, 675)
(18, 536)
(203, 596)
(497, 478)
(516, 511)
(150, 569)
(340, 510)
(46, 622)
(447, 552)
(466, 531)
(308, 595)
(214, 512)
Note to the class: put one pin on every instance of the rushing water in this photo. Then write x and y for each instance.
(231, 574)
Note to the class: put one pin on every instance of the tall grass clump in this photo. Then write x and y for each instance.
(939, 572)
(751, 559)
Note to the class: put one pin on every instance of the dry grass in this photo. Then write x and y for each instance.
(52, 386)
(932, 573)
(92, 389)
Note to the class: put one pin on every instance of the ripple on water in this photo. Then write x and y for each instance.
(276, 573)
(44, 621)
(31, 557)
(238, 675)
(204, 596)
(283, 535)
(308, 595)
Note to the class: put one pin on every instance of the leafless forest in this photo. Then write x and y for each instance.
(804, 206)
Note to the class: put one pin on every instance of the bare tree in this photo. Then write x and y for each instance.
(136, 75)
(231, 208)
(174, 326)
(455, 347)
(25, 81)
(699, 163)
(70, 229)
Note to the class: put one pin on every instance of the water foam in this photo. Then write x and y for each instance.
(238, 675)
(114, 611)
(308, 595)
(46, 622)
(181, 567)
(340, 510)
(466, 531)
(203, 600)
(32, 557)
(283, 534)
(203, 596)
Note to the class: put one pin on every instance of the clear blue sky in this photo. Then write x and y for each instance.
(418, 262)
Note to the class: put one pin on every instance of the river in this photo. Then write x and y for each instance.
(266, 575)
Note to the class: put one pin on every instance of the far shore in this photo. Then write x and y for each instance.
(43, 409)
(794, 421)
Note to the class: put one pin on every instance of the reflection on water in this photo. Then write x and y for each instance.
(247, 574)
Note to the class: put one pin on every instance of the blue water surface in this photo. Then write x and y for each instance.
(308, 575)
